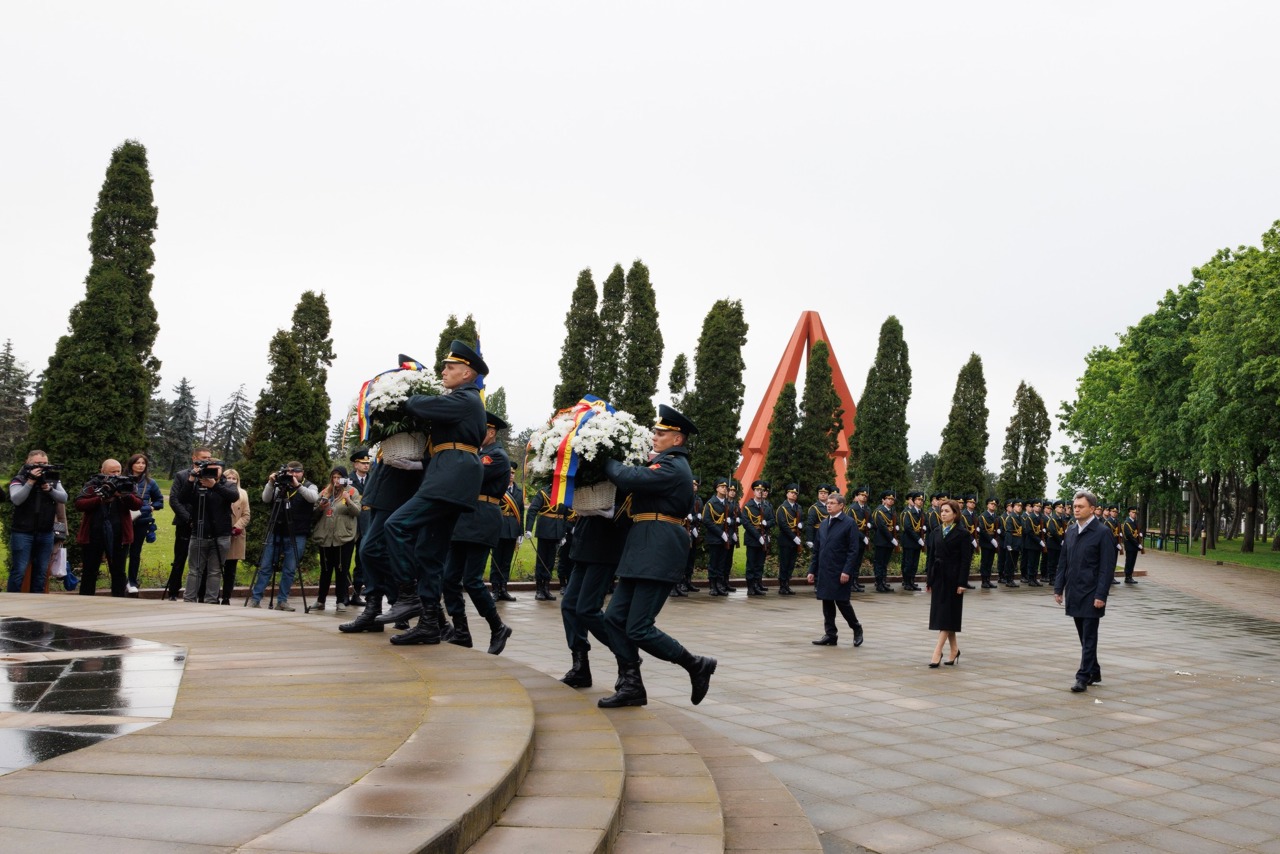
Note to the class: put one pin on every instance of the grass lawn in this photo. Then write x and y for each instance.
(1228, 551)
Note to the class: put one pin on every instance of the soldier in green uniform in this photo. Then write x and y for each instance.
(715, 527)
(1132, 534)
(756, 524)
(1013, 539)
(789, 521)
(911, 520)
(989, 533)
(735, 525)
(693, 524)
(512, 535)
(548, 522)
(884, 532)
(861, 514)
(652, 560)
(1055, 528)
(813, 518)
(1032, 542)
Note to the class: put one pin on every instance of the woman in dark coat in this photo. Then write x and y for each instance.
(950, 552)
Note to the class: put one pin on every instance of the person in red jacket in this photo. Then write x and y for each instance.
(106, 528)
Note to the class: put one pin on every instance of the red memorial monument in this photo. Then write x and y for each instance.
(756, 445)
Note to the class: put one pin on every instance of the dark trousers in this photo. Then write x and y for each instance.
(630, 618)
(718, 562)
(1030, 563)
(910, 565)
(357, 574)
(500, 562)
(755, 564)
(546, 559)
(141, 526)
(829, 608)
(229, 578)
(93, 555)
(1087, 629)
(880, 563)
(334, 561)
(181, 545)
(788, 551)
(984, 565)
(379, 580)
(564, 563)
(582, 604)
(465, 571)
(418, 536)
(1130, 560)
(1013, 554)
(691, 559)
(1049, 566)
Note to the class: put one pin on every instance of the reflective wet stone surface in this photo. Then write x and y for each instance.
(48, 669)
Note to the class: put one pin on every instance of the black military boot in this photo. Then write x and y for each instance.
(500, 593)
(579, 675)
(461, 632)
(407, 604)
(365, 621)
(700, 668)
(677, 593)
(630, 690)
(714, 585)
(498, 633)
(442, 620)
(427, 631)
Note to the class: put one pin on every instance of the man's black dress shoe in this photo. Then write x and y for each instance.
(857, 635)
(1095, 680)
(1079, 687)
(825, 640)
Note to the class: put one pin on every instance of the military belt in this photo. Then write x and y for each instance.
(489, 499)
(657, 517)
(455, 446)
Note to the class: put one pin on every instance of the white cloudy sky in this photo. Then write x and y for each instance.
(1022, 180)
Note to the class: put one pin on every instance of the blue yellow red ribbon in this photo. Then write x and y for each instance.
(567, 459)
(362, 400)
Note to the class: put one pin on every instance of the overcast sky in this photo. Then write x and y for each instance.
(1021, 180)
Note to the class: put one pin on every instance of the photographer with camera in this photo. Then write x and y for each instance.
(144, 523)
(293, 497)
(337, 516)
(106, 528)
(36, 493)
(208, 498)
(182, 524)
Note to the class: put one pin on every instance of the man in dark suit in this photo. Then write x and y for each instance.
(653, 560)
(1085, 570)
(837, 554)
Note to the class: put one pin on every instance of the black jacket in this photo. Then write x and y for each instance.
(217, 506)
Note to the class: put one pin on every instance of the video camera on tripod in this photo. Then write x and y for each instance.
(49, 473)
(107, 485)
(286, 475)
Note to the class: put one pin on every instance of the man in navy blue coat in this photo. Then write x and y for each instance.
(1085, 570)
(837, 554)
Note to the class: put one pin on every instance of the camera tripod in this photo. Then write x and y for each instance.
(280, 509)
(199, 535)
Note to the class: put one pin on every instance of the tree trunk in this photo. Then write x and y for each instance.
(1211, 517)
(1250, 517)
(1237, 506)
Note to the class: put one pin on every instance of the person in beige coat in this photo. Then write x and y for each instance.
(239, 524)
(336, 516)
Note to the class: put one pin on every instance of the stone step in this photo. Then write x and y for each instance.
(571, 799)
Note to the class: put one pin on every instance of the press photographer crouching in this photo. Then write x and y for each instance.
(36, 493)
(106, 528)
(208, 498)
(291, 498)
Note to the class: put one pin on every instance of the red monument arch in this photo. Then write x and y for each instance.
(756, 445)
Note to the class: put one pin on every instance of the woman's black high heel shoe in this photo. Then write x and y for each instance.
(935, 663)
(954, 660)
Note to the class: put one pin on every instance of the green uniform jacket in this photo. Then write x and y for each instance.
(485, 525)
(656, 550)
(452, 476)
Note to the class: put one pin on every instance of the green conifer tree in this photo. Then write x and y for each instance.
(179, 435)
(818, 434)
(15, 409)
(1026, 447)
(715, 404)
(232, 427)
(878, 448)
(678, 381)
(94, 395)
(640, 369)
(453, 330)
(613, 315)
(780, 461)
(577, 353)
(962, 459)
(311, 326)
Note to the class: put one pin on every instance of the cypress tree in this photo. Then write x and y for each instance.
(878, 448)
(94, 395)
(311, 325)
(577, 353)
(780, 461)
(613, 314)
(1026, 447)
(818, 435)
(962, 459)
(453, 330)
(289, 423)
(678, 381)
(15, 389)
(639, 371)
(715, 404)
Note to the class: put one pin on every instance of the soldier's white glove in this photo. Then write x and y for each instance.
(974, 543)
(797, 539)
(724, 535)
(866, 541)
(519, 540)
(695, 533)
(999, 532)
(735, 537)
(1042, 544)
(921, 542)
(762, 541)
(563, 540)
(529, 534)
(895, 541)
(994, 544)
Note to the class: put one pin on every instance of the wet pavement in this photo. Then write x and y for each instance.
(1177, 750)
(52, 676)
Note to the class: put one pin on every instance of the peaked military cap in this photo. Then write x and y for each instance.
(495, 421)
(759, 484)
(697, 479)
(888, 493)
(460, 352)
(861, 490)
(793, 487)
(671, 419)
(822, 487)
(359, 455)
(722, 481)
(991, 498)
(915, 493)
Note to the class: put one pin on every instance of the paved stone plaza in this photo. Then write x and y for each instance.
(1177, 750)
